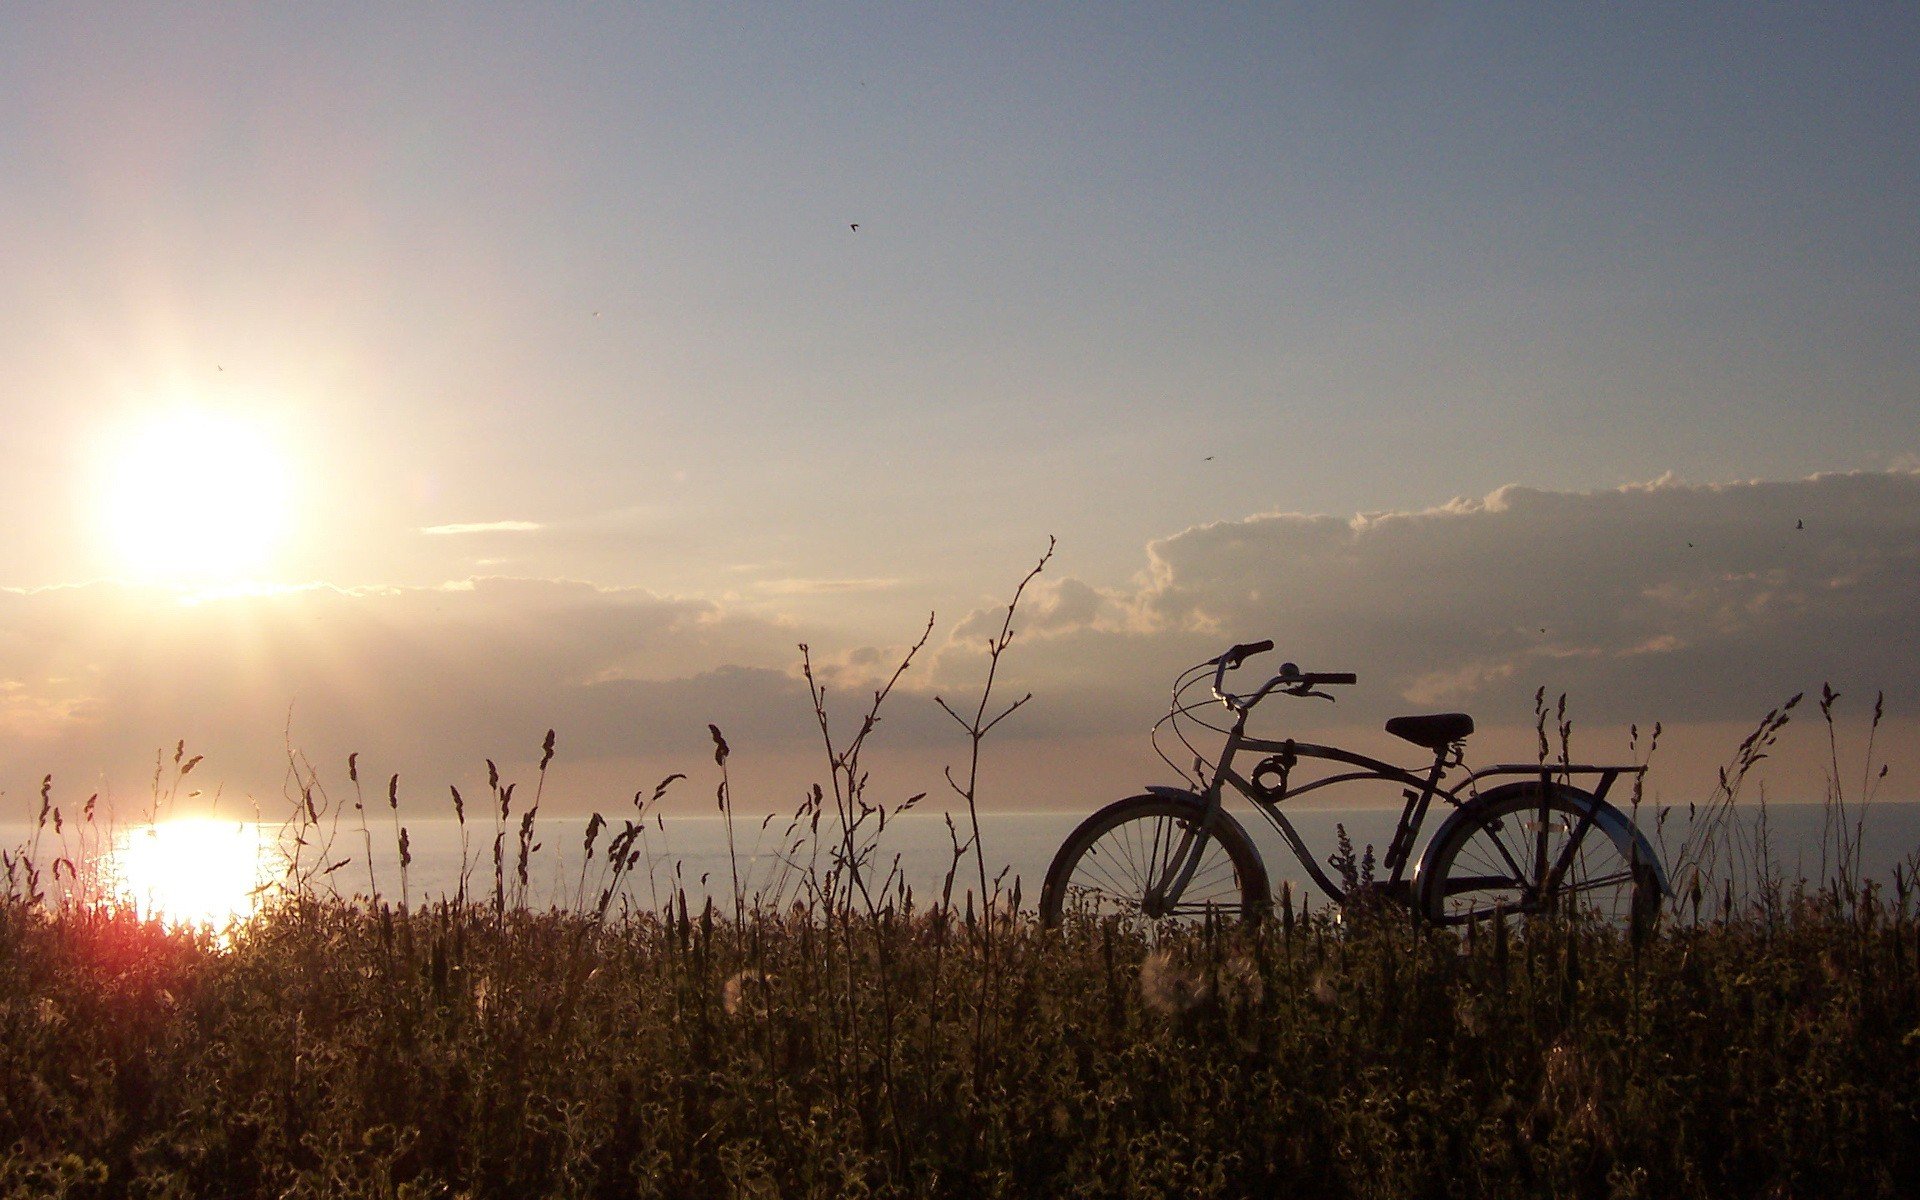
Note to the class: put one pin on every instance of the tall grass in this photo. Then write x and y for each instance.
(342, 1050)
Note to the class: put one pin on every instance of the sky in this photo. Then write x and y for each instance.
(409, 381)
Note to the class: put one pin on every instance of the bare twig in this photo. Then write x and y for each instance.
(977, 729)
(980, 725)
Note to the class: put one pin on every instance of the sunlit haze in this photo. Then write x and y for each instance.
(409, 381)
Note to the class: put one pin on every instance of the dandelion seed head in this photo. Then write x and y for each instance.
(1240, 982)
(745, 991)
(1169, 987)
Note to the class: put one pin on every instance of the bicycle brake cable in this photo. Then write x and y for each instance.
(1176, 710)
(1172, 721)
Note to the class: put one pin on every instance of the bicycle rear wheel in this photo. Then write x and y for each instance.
(1501, 854)
(1115, 863)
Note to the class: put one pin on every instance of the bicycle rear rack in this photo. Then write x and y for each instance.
(1549, 877)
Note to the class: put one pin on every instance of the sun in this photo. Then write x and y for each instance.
(191, 871)
(194, 497)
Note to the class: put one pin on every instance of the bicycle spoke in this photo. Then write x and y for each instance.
(1483, 870)
(1125, 868)
(1118, 887)
(1600, 881)
(1494, 832)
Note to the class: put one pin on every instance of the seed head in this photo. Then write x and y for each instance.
(1169, 987)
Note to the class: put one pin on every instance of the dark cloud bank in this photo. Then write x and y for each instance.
(1682, 603)
(1665, 601)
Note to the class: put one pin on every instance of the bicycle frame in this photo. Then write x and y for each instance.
(1420, 792)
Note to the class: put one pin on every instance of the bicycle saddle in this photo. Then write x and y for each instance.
(1434, 731)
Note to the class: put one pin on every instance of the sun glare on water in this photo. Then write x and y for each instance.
(192, 871)
(189, 497)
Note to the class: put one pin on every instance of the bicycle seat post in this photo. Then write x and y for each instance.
(1414, 814)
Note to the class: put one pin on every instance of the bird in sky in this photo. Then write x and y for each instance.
(855, 227)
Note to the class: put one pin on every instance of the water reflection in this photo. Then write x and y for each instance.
(192, 871)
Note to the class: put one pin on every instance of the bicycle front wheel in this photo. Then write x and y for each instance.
(1118, 862)
(1507, 851)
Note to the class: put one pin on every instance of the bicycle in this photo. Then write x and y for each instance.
(1532, 844)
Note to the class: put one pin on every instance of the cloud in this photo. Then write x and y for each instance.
(1687, 602)
(482, 527)
(822, 587)
(437, 678)
(1436, 688)
(1050, 606)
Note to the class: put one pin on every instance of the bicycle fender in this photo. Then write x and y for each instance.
(1606, 818)
(1174, 793)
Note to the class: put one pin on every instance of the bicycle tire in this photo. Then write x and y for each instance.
(1103, 867)
(1487, 860)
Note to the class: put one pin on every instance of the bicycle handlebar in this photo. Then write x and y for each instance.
(1291, 679)
(1240, 653)
(1317, 677)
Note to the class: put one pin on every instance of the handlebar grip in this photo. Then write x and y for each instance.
(1246, 650)
(1335, 677)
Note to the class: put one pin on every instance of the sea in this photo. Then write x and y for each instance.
(213, 868)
